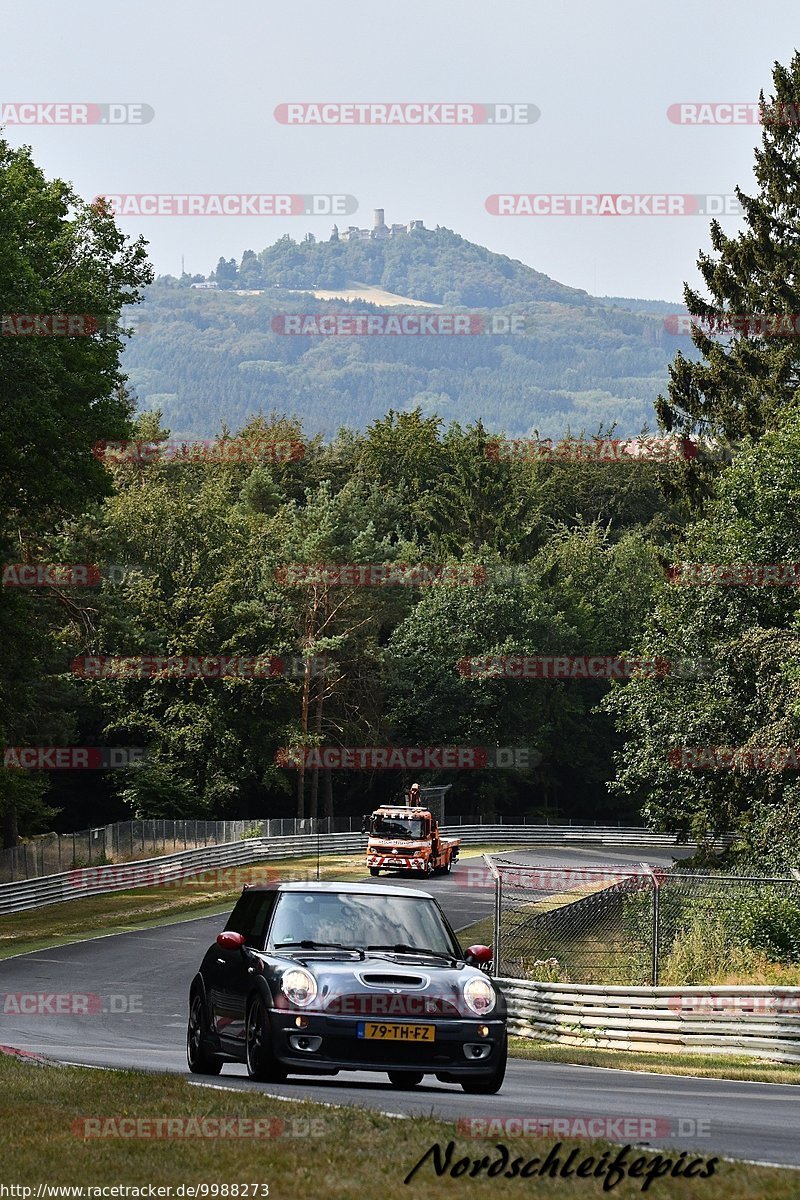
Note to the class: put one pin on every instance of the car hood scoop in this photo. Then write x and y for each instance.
(398, 979)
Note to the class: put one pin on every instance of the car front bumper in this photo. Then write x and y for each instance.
(397, 862)
(342, 1049)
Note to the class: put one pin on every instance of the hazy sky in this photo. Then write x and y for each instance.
(603, 76)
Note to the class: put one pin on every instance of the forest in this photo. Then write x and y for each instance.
(380, 563)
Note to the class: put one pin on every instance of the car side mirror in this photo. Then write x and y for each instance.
(480, 956)
(229, 940)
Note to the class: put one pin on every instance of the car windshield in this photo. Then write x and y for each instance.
(398, 827)
(356, 920)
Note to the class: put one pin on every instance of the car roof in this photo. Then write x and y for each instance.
(367, 889)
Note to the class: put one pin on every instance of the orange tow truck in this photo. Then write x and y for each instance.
(405, 837)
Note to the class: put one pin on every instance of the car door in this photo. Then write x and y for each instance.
(233, 969)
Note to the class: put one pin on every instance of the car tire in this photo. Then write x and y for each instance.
(199, 1060)
(487, 1085)
(261, 1062)
(374, 871)
(405, 1079)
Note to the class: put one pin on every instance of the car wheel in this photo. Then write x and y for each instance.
(487, 1085)
(405, 1079)
(199, 1060)
(374, 871)
(261, 1062)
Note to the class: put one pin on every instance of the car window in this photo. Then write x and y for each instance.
(251, 916)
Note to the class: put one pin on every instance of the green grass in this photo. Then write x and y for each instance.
(319, 1151)
(706, 1066)
(191, 897)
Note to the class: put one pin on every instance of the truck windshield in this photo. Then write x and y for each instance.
(398, 827)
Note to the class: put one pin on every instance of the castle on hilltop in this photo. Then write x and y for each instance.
(379, 230)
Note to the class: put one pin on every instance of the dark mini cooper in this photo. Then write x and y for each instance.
(317, 978)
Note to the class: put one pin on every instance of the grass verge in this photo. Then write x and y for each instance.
(213, 891)
(314, 1150)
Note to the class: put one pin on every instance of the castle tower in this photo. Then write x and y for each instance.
(378, 221)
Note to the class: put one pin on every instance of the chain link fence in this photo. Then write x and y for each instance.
(641, 926)
(126, 841)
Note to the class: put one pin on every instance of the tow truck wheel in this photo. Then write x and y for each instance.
(374, 871)
(405, 1079)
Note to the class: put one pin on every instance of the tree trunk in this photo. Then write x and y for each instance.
(327, 791)
(301, 771)
(10, 829)
(313, 807)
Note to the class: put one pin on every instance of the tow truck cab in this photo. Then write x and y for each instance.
(407, 838)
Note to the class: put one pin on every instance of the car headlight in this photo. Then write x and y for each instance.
(480, 996)
(299, 986)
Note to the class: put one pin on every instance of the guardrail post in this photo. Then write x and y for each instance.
(655, 932)
(656, 929)
(498, 908)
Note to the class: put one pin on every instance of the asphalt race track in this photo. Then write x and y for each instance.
(137, 985)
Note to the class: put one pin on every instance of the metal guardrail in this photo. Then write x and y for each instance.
(755, 1022)
(52, 854)
(168, 869)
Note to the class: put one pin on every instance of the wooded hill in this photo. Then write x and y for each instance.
(577, 362)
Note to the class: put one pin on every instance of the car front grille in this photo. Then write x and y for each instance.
(407, 1054)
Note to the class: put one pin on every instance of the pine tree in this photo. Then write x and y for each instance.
(747, 378)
